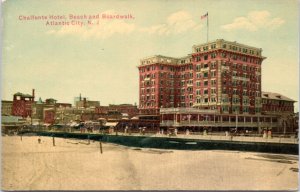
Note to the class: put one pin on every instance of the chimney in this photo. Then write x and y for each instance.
(84, 102)
(79, 96)
(33, 93)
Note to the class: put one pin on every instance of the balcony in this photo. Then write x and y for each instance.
(211, 123)
(240, 78)
(224, 68)
(204, 69)
(185, 110)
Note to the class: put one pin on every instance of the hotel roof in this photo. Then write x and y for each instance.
(275, 96)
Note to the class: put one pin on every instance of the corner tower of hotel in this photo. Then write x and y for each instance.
(220, 75)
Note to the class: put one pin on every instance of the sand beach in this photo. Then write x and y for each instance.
(78, 165)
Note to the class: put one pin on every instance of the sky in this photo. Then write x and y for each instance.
(100, 60)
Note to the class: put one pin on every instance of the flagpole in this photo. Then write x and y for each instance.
(207, 27)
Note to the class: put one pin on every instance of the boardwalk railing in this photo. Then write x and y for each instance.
(291, 138)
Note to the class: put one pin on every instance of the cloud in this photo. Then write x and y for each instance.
(254, 21)
(103, 29)
(176, 23)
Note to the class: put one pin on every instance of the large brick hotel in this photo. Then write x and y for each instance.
(218, 85)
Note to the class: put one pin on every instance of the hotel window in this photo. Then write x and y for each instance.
(198, 67)
(198, 92)
(225, 108)
(213, 55)
(198, 58)
(198, 75)
(198, 100)
(213, 65)
(205, 100)
(191, 75)
(224, 100)
(224, 46)
(205, 65)
(205, 83)
(213, 73)
(213, 46)
(212, 91)
(213, 82)
(235, 100)
(205, 74)
(191, 96)
(205, 91)
(213, 99)
(223, 55)
(205, 57)
(198, 83)
(235, 109)
(205, 48)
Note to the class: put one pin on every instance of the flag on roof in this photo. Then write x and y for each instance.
(204, 16)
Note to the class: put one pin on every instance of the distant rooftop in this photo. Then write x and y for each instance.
(275, 96)
(22, 95)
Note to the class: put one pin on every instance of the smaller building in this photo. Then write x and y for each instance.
(275, 103)
(22, 104)
(45, 111)
(129, 109)
(85, 103)
(282, 107)
(10, 124)
(6, 107)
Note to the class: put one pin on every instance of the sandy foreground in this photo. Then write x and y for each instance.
(76, 165)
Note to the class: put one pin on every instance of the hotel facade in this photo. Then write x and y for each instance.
(217, 85)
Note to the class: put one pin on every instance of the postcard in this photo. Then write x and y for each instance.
(150, 95)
